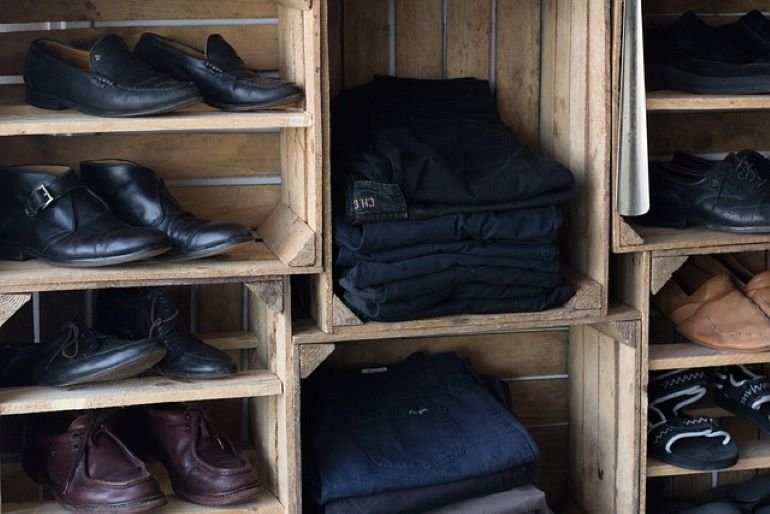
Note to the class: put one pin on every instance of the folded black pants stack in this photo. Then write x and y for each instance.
(424, 434)
(440, 210)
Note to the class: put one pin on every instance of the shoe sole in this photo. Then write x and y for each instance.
(224, 498)
(662, 77)
(209, 251)
(123, 508)
(17, 252)
(124, 370)
(52, 102)
(281, 102)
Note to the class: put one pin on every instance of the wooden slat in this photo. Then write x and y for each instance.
(365, 41)
(538, 402)
(676, 101)
(467, 53)
(264, 504)
(518, 67)
(419, 39)
(249, 205)
(695, 240)
(753, 455)
(18, 119)
(553, 464)
(136, 391)
(10, 304)
(303, 5)
(691, 355)
(109, 10)
(718, 132)
(704, 6)
(289, 237)
(256, 44)
(249, 262)
(172, 156)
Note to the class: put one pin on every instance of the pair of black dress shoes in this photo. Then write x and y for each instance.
(113, 212)
(161, 75)
(142, 323)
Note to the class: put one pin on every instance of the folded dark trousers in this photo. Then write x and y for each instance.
(527, 225)
(420, 499)
(509, 251)
(424, 148)
(520, 500)
(449, 279)
(366, 274)
(423, 421)
(465, 299)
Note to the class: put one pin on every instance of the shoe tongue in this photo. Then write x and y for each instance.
(694, 37)
(165, 312)
(220, 53)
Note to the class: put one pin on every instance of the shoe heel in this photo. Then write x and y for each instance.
(43, 100)
(12, 252)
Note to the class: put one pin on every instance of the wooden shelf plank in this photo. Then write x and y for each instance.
(234, 341)
(695, 240)
(264, 504)
(18, 119)
(135, 391)
(753, 455)
(677, 101)
(691, 355)
(248, 263)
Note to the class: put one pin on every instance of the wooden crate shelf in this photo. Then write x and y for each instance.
(20, 119)
(691, 355)
(246, 264)
(264, 504)
(694, 240)
(677, 101)
(136, 391)
(753, 455)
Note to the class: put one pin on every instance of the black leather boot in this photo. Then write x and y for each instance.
(48, 213)
(139, 197)
(138, 313)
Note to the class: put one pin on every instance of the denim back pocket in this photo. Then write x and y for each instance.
(419, 435)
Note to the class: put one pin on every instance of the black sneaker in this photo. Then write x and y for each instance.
(138, 313)
(691, 56)
(729, 195)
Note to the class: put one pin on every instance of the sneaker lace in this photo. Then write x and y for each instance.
(70, 346)
(745, 171)
(162, 304)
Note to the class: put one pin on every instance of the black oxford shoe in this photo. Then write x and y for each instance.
(46, 212)
(139, 197)
(108, 80)
(138, 313)
(220, 73)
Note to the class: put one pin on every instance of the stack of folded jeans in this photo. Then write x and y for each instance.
(440, 210)
(422, 435)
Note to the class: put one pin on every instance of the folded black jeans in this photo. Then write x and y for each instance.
(447, 280)
(423, 421)
(417, 149)
(549, 251)
(467, 299)
(421, 499)
(540, 225)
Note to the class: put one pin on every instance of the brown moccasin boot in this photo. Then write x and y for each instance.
(87, 466)
(204, 467)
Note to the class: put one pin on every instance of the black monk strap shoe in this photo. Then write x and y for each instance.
(692, 56)
(729, 195)
(750, 33)
(220, 73)
(78, 355)
(108, 80)
(139, 197)
(138, 313)
(46, 212)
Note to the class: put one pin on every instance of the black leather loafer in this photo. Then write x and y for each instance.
(140, 198)
(78, 355)
(220, 73)
(108, 80)
(149, 312)
(46, 212)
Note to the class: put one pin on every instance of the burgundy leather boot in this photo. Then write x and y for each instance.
(88, 468)
(204, 466)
